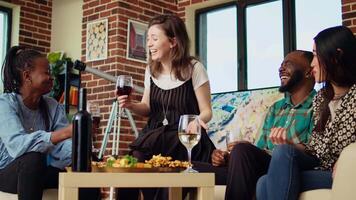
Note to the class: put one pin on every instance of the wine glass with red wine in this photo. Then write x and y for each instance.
(94, 109)
(123, 87)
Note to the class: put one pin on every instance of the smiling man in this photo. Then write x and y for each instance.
(288, 120)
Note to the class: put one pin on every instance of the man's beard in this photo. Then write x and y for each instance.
(294, 80)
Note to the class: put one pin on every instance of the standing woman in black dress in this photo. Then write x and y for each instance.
(175, 84)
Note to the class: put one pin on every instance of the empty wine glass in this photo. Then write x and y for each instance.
(123, 87)
(231, 139)
(189, 133)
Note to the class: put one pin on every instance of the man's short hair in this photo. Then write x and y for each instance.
(307, 55)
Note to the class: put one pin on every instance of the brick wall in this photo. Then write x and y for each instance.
(182, 4)
(35, 23)
(118, 12)
(101, 91)
(349, 14)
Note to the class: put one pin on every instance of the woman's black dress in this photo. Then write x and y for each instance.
(159, 139)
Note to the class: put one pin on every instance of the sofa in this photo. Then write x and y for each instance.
(243, 113)
(343, 187)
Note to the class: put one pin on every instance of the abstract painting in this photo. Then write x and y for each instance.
(241, 113)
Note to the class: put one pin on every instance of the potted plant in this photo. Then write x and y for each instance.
(57, 61)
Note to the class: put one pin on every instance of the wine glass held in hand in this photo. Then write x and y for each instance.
(123, 87)
(189, 133)
(231, 140)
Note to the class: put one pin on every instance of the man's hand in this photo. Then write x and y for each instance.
(231, 145)
(218, 157)
(279, 136)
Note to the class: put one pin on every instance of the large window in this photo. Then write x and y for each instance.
(243, 43)
(220, 48)
(264, 44)
(309, 22)
(5, 33)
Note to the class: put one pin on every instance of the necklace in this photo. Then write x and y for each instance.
(22, 106)
(165, 120)
(32, 128)
(338, 96)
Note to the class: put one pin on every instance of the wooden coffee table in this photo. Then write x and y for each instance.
(71, 181)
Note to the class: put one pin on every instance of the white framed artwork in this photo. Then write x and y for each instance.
(97, 40)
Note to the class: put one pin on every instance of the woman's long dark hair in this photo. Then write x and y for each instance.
(336, 53)
(174, 27)
(17, 60)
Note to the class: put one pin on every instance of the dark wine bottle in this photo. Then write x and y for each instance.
(82, 134)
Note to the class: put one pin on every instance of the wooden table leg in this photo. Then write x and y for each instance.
(66, 193)
(205, 193)
(175, 193)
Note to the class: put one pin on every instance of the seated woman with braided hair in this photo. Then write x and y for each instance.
(35, 137)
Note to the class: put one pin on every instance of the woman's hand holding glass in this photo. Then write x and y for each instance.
(125, 101)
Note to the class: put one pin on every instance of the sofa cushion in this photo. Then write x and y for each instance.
(324, 194)
(242, 113)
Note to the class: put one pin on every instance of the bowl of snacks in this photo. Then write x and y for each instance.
(129, 163)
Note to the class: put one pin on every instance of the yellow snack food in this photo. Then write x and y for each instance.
(162, 161)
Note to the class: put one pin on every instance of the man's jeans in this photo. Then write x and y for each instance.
(291, 172)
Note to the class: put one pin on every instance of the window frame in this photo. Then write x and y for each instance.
(197, 33)
(289, 32)
(8, 11)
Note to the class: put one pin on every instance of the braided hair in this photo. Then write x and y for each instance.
(17, 60)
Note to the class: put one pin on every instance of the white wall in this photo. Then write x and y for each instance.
(67, 27)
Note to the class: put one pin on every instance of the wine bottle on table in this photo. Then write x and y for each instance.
(82, 134)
